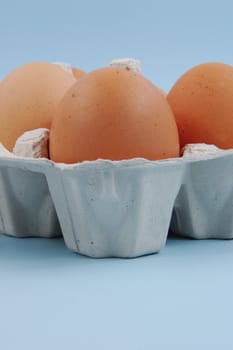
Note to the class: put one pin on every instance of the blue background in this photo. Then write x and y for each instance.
(181, 298)
(167, 36)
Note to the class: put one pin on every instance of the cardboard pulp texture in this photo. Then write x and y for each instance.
(117, 208)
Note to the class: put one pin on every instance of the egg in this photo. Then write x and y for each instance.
(163, 92)
(78, 73)
(29, 97)
(114, 114)
(75, 72)
(202, 102)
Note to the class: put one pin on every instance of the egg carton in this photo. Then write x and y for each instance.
(26, 206)
(117, 208)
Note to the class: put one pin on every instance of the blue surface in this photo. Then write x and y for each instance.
(52, 298)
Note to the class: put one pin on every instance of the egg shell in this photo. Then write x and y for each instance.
(78, 73)
(116, 114)
(29, 97)
(202, 102)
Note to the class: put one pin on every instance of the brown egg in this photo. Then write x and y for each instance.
(78, 73)
(163, 92)
(28, 99)
(202, 102)
(115, 114)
